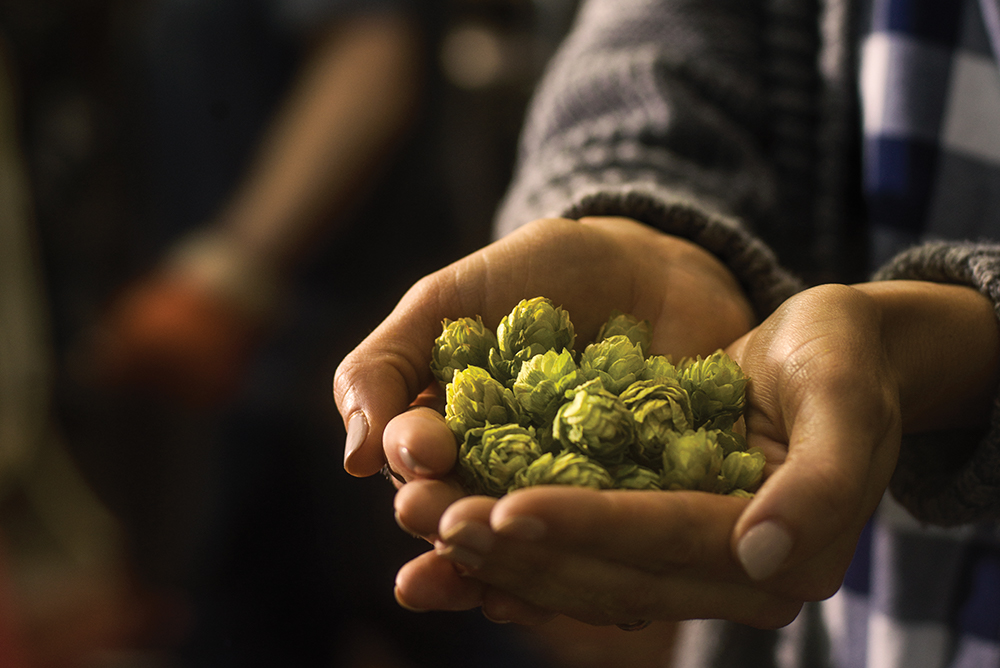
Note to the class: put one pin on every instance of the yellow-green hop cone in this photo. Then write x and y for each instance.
(742, 470)
(475, 399)
(741, 494)
(566, 468)
(659, 366)
(692, 461)
(491, 457)
(731, 441)
(463, 343)
(717, 388)
(660, 407)
(633, 476)
(615, 360)
(542, 383)
(533, 327)
(639, 332)
(596, 423)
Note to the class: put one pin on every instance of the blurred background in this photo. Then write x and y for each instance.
(205, 204)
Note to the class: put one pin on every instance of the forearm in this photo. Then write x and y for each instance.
(355, 96)
(943, 342)
(627, 123)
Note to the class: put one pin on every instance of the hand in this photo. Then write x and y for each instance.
(589, 267)
(834, 373)
(173, 337)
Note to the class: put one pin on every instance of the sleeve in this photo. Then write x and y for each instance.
(951, 478)
(652, 110)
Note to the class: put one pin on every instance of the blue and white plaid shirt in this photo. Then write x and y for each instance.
(919, 597)
(930, 91)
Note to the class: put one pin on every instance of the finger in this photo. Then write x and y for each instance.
(430, 582)
(420, 504)
(600, 591)
(842, 449)
(502, 607)
(692, 529)
(380, 378)
(419, 444)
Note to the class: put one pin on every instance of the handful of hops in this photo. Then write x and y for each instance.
(527, 410)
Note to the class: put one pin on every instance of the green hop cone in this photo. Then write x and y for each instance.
(717, 388)
(566, 468)
(475, 399)
(616, 361)
(731, 441)
(491, 457)
(542, 384)
(533, 327)
(596, 423)
(630, 475)
(660, 407)
(463, 343)
(639, 332)
(741, 494)
(692, 461)
(658, 366)
(741, 470)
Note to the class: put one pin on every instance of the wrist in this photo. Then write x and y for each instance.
(942, 341)
(215, 261)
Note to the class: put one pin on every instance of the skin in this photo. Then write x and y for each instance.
(838, 374)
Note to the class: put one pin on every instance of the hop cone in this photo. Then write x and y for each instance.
(638, 331)
(464, 342)
(532, 328)
(633, 476)
(542, 384)
(491, 457)
(731, 442)
(741, 493)
(660, 407)
(741, 470)
(716, 385)
(692, 461)
(616, 361)
(658, 366)
(567, 468)
(596, 423)
(474, 399)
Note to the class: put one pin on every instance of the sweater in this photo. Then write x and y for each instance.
(736, 124)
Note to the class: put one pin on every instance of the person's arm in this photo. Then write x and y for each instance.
(656, 111)
(950, 477)
(187, 328)
(354, 97)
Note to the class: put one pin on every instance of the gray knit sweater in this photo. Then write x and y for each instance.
(733, 123)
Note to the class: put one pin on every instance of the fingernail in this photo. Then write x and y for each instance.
(474, 536)
(494, 619)
(763, 549)
(411, 463)
(357, 432)
(461, 556)
(523, 527)
(404, 604)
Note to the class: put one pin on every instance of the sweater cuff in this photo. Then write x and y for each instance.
(754, 265)
(953, 477)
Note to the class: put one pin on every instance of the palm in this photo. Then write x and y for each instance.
(589, 268)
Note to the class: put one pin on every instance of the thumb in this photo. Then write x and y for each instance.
(383, 374)
(843, 439)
